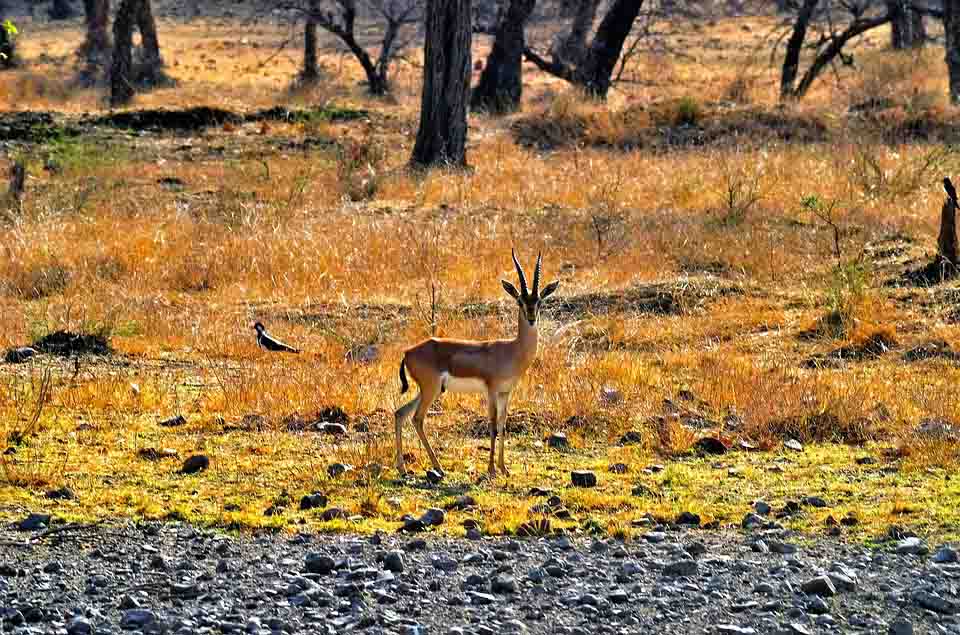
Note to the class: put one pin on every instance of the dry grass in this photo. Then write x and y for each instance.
(690, 273)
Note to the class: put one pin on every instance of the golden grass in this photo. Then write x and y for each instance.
(690, 274)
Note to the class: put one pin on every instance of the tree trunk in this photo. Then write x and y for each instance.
(791, 61)
(571, 48)
(61, 10)
(97, 41)
(18, 177)
(907, 29)
(442, 136)
(121, 83)
(597, 68)
(311, 71)
(501, 86)
(951, 27)
(8, 51)
(152, 62)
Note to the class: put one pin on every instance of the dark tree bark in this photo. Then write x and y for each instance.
(311, 70)
(951, 27)
(947, 240)
(152, 63)
(907, 29)
(121, 81)
(97, 42)
(18, 177)
(501, 86)
(442, 135)
(8, 50)
(791, 61)
(571, 47)
(61, 10)
(594, 73)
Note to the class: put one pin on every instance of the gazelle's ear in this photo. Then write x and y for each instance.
(549, 289)
(512, 290)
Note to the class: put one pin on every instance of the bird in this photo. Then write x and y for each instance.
(951, 191)
(270, 343)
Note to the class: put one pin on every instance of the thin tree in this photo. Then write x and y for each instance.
(60, 10)
(594, 72)
(97, 42)
(132, 13)
(907, 28)
(501, 84)
(442, 135)
(570, 47)
(951, 27)
(311, 69)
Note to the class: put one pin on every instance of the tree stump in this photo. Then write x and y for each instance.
(947, 240)
(18, 178)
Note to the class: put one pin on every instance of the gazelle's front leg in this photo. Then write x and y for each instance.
(503, 401)
(492, 411)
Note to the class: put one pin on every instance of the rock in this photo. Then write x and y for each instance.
(334, 513)
(618, 468)
(34, 522)
(540, 492)
(761, 508)
(818, 606)
(443, 562)
(783, 548)
(480, 599)
(336, 469)
(799, 629)
(688, 518)
(935, 603)
(912, 546)
(682, 568)
(173, 422)
(900, 626)
(320, 563)
(79, 626)
(393, 561)
(814, 501)
(752, 521)
(631, 437)
(710, 445)
(434, 477)
(19, 355)
(945, 555)
(610, 396)
(137, 619)
(793, 444)
(333, 429)
(843, 581)
(433, 517)
(313, 501)
(503, 584)
(194, 464)
(583, 478)
(63, 494)
(731, 628)
(867, 460)
(558, 441)
(820, 585)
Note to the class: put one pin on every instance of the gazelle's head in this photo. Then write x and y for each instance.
(529, 302)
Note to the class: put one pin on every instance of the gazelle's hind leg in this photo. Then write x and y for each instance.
(503, 401)
(399, 417)
(427, 397)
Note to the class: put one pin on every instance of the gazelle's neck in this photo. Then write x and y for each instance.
(526, 335)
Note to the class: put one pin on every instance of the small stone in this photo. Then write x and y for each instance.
(333, 513)
(434, 477)
(137, 618)
(320, 563)
(336, 469)
(631, 437)
(503, 584)
(868, 460)
(733, 629)
(935, 603)
(818, 606)
(710, 445)
(618, 468)
(194, 464)
(417, 544)
(814, 501)
(313, 501)
(900, 626)
(912, 546)
(34, 522)
(945, 555)
(799, 629)
(752, 521)
(19, 355)
(480, 599)
(173, 422)
(62, 494)
(682, 568)
(433, 517)
(655, 537)
(783, 548)
(79, 626)
(583, 478)
(558, 441)
(843, 581)
(761, 508)
(461, 503)
(793, 444)
(689, 519)
(333, 429)
(393, 561)
(474, 533)
(444, 563)
(820, 585)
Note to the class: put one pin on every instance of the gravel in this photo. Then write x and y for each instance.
(175, 578)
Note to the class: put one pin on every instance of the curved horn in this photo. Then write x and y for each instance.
(536, 275)
(523, 279)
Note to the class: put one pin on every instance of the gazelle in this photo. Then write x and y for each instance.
(491, 367)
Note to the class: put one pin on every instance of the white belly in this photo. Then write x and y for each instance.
(463, 384)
